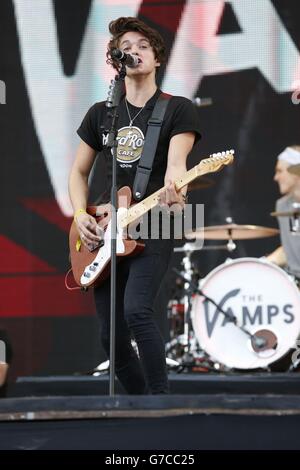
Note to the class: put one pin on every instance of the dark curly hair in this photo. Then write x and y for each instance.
(126, 24)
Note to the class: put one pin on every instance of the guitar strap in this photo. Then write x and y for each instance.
(144, 168)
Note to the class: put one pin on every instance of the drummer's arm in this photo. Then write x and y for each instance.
(277, 257)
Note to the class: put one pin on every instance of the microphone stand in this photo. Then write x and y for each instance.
(116, 90)
(259, 342)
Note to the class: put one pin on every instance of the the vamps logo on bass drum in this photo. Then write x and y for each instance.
(260, 296)
(252, 311)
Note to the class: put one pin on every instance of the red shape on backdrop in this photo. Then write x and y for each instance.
(30, 287)
(16, 259)
(204, 20)
(49, 210)
(167, 15)
(42, 296)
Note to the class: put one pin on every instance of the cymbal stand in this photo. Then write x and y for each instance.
(188, 358)
(231, 246)
(295, 219)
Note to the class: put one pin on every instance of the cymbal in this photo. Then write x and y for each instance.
(294, 169)
(201, 182)
(232, 232)
(286, 214)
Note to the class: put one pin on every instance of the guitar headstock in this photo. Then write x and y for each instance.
(216, 161)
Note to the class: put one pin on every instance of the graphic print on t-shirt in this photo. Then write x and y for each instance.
(130, 144)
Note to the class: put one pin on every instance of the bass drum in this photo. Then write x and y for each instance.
(264, 300)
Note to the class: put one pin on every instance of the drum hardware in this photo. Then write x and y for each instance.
(294, 217)
(295, 363)
(184, 341)
(294, 367)
(226, 247)
(191, 247)
(183, 345)
(295, 224)
(196, 360)
(261, 340)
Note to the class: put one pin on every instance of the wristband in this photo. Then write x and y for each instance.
(79, 211)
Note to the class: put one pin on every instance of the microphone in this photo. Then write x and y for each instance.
(201, 102)
(127, 59)
(263, 340)
(259, 342)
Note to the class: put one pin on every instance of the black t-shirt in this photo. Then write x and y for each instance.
(180, 117)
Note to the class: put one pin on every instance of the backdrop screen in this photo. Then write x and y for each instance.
(243, 55)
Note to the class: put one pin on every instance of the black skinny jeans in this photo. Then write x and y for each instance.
(138, 282)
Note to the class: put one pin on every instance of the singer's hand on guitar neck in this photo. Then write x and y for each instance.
(89, 231)
(171, 198)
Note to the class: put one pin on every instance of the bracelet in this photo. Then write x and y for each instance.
(79, 211)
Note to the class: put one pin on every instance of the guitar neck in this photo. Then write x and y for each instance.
(208, 165)
(138, 210)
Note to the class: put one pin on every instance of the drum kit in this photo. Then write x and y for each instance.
(243, 316)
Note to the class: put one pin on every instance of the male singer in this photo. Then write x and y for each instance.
(138, 278)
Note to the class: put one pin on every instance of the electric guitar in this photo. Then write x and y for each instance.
(91, 268)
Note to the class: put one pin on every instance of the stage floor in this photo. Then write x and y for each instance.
(192, 384)
(203, 412)
(174, 422)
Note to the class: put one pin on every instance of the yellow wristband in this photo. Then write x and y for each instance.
(79, 211)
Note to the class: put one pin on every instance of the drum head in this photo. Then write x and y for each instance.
(264, 300)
